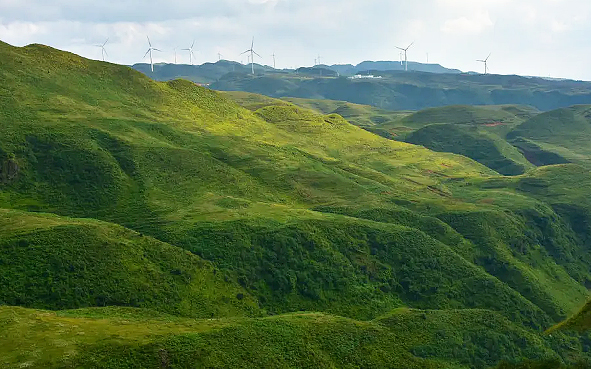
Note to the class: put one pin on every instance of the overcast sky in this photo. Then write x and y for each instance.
(527, 37)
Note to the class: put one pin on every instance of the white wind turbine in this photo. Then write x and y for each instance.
(273, 60)
(252, 54)
(485, 61)
(103, 51)
(191, 54)
(405, 56)
(150, 52)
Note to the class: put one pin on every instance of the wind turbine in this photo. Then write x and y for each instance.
(252, 54)
(103, 51)
(175, 55)
(273, 60)
(191, 54)
(150, 52)
(219, 56)
(405, 56)
(485, 61)
(319, 59)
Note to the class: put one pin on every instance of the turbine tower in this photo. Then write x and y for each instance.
(405, 56)
(103, 51)
(219, 56)
(150, 52)
(485, 61)
(191, 54)
(273, 60)
(252, 54)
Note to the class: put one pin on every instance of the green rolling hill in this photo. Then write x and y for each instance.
(484, 147)
(70, 263)
(123, 337)
(556, 137)
(173, 205)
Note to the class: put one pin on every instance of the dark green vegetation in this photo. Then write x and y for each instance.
(117, 190)
(211, 72)
(423, 87)
(123, 337)
(416, 90)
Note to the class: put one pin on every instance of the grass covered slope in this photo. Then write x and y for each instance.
(556, 137)
(122, 337)
(581, 321)
(485, 148)
(53, 262)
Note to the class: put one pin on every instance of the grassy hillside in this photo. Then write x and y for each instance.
(122, 337)
(53, 262)
(581, 321)
(370, 118)
(486, 148)
(496, 118)
(556, 137)
(169, 196)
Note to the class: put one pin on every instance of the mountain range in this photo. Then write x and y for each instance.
(394, 89)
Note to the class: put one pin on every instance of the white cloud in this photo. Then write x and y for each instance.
(468, 26)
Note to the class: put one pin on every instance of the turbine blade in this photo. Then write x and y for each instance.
(147, 52)
(149, 43)
(105, 51)
(193, 44)
(488, 56)
(399, 48)
(252, 44)
(254, 52)
(412, 43)
(106, 42)
(247, 51)
(156, 49)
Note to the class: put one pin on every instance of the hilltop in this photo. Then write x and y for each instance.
(173, 199)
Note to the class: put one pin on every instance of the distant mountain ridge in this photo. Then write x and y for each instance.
(398, 90)
(349, 69)
(423, 86)
(211, 72)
